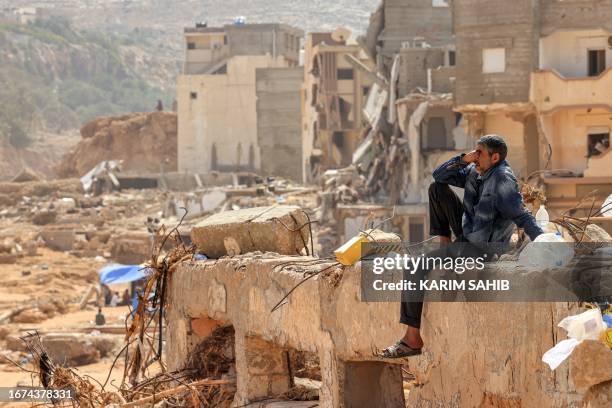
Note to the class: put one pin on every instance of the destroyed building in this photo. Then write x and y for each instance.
(538, 73)
(334, 97)
(224, 73)
(408, 124)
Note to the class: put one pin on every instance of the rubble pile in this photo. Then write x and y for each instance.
(146, 142)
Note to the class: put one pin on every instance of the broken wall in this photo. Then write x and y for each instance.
(279, 130)
(414, 63)
(494, 24)
(405, 20)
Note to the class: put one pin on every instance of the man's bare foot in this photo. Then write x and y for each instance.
(413, 338)
(445, 240)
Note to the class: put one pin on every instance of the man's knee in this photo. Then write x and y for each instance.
(438, 189)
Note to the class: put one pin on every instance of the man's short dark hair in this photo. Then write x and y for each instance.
(494, 144)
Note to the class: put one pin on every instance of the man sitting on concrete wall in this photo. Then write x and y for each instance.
(491, 205)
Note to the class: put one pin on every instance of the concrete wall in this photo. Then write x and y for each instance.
(481, 24)
(407, 19)
(476, 354)
(567, 51)
(575, 15)
(256, 39)
(220, 111)
(279, 132)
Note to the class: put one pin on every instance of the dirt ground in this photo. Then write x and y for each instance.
(61, 277)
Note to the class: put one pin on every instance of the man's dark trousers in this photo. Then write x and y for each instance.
(445, 214)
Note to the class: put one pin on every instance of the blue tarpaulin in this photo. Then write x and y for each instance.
(117, 273)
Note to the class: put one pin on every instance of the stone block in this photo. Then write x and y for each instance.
(4, 331)
(14, 343)
(71, 349)
(266, 229)
(59, 239)
(44, 217)
(590, 364)
(599, 396)
(29, 316)
(131, 248)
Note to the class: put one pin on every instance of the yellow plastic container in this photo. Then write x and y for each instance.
(350, 252)
(607, 337)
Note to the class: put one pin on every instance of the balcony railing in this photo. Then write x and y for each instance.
(550, 90)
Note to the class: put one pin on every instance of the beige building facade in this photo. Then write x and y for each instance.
(217, 96)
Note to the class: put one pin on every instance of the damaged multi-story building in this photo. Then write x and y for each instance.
(537, 72)
(234, 78)
(408, 123)
(334, 94)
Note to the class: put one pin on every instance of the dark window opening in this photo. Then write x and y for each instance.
(436, 133)
(345, 109)
(597, 62)
(598, 143)
(365, 90)
(345, 73)
(451, 58)
(338, 139)
(225, 40)
(193, 95)
(191, 46)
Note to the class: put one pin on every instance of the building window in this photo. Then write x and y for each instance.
(597, 62)
(338, 139)
(365, 90)
(191, 46)
(225, 40)
(439, 3)
(451, 58)
(493, 60)
(436, 134)
(193, 95)
(345, 73)
(598, 143)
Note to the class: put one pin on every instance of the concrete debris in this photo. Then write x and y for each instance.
(25, 175)
(278, 228)
(590, 364)
(131, 248)
(145, 142)
(71, 349)
(30, 316)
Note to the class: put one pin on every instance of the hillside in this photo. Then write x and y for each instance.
(55, 78)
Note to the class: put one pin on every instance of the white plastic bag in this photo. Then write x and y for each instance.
(556, 355)
(607, 207)
(584, 326)
(547, 251)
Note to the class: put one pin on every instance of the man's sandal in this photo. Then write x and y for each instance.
(399, 350)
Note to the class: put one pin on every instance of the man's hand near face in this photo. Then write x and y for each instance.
(470, 157)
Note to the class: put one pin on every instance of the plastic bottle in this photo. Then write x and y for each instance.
(542, 217)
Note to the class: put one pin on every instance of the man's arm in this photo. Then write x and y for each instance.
(453, 172)
(509, 203)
